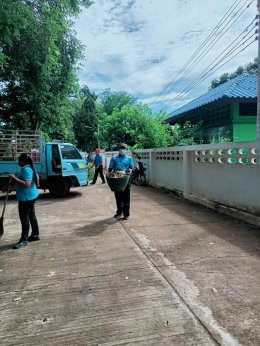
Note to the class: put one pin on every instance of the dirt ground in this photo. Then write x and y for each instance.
(173, 274)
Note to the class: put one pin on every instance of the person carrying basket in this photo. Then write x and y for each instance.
(122, 163)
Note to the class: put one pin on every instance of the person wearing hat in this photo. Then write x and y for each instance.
(122, 162)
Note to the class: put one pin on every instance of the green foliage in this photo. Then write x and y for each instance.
(124, 120)
(136, 126)
(38, 55)
(250, 68)
(91, 172)
(186, 134)
(85, 122)
(111, 100)
(127, 122)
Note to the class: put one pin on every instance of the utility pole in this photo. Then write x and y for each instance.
(98, 136)
(258, 76)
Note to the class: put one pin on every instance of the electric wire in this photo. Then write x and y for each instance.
(229, 51)
(208, 74)
(236, 45)
(215, 68)
(200, 47)
(212, 45)
(206, 49)
(226, 62)
(199, 78)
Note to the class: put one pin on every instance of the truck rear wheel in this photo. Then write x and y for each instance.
(60, 188)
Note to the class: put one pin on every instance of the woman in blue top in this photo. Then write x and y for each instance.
(26, 192)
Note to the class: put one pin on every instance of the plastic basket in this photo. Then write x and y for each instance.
(117, 184)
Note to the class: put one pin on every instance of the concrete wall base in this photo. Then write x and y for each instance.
(235, 213)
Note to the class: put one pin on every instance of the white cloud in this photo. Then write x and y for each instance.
(139, 46)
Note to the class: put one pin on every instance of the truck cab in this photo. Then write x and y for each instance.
(64, 167)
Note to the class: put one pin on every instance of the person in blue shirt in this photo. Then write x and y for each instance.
(125, 163)
(26, 193)
(98, 163)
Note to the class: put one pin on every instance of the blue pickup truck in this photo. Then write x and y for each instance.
(59, 165)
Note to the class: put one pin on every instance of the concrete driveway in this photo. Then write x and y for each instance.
(173, 274)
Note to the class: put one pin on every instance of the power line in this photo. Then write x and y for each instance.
(206, 48)
(215, 68)
(201, 80)
(231, 48)
(199, 48)
(228, 50)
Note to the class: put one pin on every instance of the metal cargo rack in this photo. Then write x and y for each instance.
(14, 142)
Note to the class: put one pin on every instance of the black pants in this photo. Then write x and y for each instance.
(123, 201)
(100, 171)
(27, 217)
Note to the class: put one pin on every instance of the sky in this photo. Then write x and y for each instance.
(140, 46)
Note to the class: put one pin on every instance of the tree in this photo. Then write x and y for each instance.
(86, 120)
(38, 55)
(186, 134)
(136, 126)
(112, 99)
(250, 68)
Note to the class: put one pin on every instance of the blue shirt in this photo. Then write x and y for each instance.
(98, 160)
(121, 163)
(26, 193)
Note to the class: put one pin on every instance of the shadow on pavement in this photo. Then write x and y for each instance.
(6, 247)
(95, 228)
(47, 196)
(237, 233)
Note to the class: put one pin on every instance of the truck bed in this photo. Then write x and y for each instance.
(13, 143)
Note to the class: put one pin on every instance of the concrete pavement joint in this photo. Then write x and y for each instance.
(198, 260)
(213, 258)
(202, 314)
(165, 279)
(71, 279)
(178, 224)
(28, 290)
(134, 340)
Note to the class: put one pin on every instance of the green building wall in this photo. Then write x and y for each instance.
(221, 122)
(244, 127)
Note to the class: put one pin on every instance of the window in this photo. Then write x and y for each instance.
(247, 109)
(69, 152)
(56, 162)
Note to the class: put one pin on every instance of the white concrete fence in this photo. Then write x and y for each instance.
(216, 175)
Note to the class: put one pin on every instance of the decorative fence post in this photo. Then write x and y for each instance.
(187, 162)
(151, 166)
